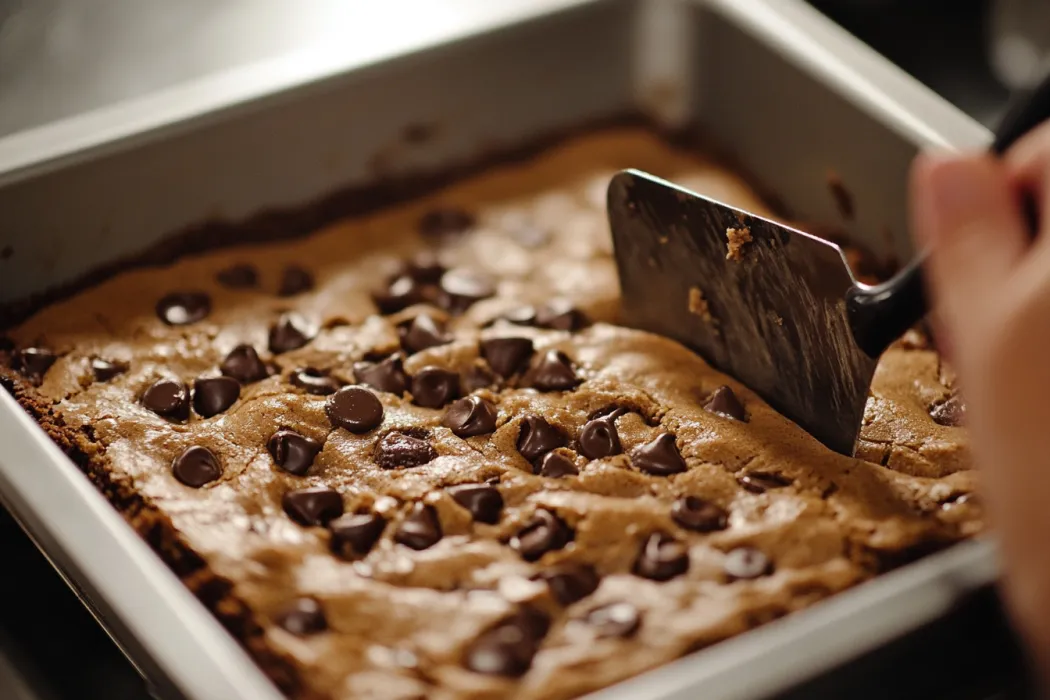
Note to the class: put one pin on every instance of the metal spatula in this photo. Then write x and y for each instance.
(774, 307)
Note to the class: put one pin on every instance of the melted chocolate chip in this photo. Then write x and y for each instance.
(659, 457)
(35, 362)
(292, 452)
(478, 377)
(726, 404)
(423, 332)
(543, 533)
(104, 370)
(615, 620)
(169, 398)
(303, 617)
(433, 387)
(461, 289)
(241, 276)
(760, 482)
(244, 365)
(196, 466)
(424, 267)
(420, 529)
(213, 395)
(354, 408)
(506, 356)
(484, 502)
(951, 413)
(355, 535)
(560, 315)
(183, 308)
(295, 280)
(555, 465)
(291, 332)
(569, 583)
(506, 649)
(315, 381)
(470, 416)
(399, 294)
(598, 438)
(746, 563)
(551, 371)
(698, 515)
(444, 222)
(662, 558)
(537, 437)
(402, 449)
(315, 505)
(386, 375)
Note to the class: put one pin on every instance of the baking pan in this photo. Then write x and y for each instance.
(787, 94)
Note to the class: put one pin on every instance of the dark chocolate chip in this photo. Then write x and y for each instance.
(506, 356)
(521, 316)
(951, 413)
(402, 449)
(303, 617)
(725, 403)
(537, 437)
(551, 371)
(662, 558)
(424, 267)
(560, 315)
(555, 465)
(399, 294)
(746, 563)
(386, 375)
(699, 515)
(484, 502)
(543, 533)
(213, 395)
(461, 288)
(354, 408)
(241, 276)
(244, 365)
(105, 370)
(295, 280)
(478, 376)
(314, 381)
(615, 620)
(196, 466)
(315, 505)
(569, 583)
(470, 416)
(292, 452)
(169, 398)
(760, 482)
(598, 438)
(420, 529)
(291, 332)
(354, 535)
(35, 362)
(423, 332)
(506, 649)
(182, 308)
(659, 457)
(433, 387)
(443, 222)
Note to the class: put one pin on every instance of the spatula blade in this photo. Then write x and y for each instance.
(773, 316)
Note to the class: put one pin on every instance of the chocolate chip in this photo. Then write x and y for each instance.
(484, 502)
(196, 466)
(615, 620)
(725, 403)
(551, 371)
(314, 381)
(662, 558)
(423, 332)
(105, 370)
(506, 649)
(543, 533)
(470, 416)
(424, 267)
(292, 452)
(506, 355)
(183, 308)
(659, 457)
(537, 437)
(698, 515)
(35, 362)
(295, 280)
(599, 438)
(746, 563)
(400, 293)
(213, 395)
(569, 583)
(315, 505)
(291, 332)
(420, 529)
(241, 276)
(402, 449)
(951, 413)
(462, 288)
(354, 408)
(478, 376)
(760, 482)
(560, 315)
(433, 387)
(354, 535)
(555, 465)
(244, 365)
(386, 375)
(169, 398)
(444, 222)
(303, 617)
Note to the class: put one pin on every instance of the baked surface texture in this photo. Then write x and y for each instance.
(480, 517)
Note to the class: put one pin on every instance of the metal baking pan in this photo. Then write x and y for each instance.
(788, 94)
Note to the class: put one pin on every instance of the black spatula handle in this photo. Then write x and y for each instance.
(879, 315)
